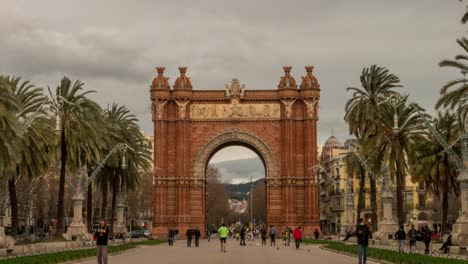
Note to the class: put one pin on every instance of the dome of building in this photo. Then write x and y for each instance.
(309, 81)
(287, 81)
(332, 142)
(182, 82)
(160, 82)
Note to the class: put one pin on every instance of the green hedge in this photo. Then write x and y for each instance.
(64, 256)
(310, 241)
(393, 256)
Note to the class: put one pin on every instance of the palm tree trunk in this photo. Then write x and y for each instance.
(373, 190)
(104, 202)
(63, 167)
(360, 204)
(445, 206)
(14, 207)
(399, 194)
(89, 204)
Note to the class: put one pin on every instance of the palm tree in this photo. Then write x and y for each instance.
(362, 111)
(354, 168)
(9, 126)
(73, 112)
(32, 145)
(124, 129)
(456, 98)
(395, 144)
(431, 164)
(465, 16)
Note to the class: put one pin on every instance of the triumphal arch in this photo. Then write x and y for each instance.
(191, 124)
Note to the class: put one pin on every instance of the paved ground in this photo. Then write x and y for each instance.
(208, 253)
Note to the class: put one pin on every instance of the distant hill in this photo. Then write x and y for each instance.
(239, 191)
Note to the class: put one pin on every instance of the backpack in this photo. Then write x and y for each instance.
(272, 231)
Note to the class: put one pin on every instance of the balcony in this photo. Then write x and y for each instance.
(337, 203)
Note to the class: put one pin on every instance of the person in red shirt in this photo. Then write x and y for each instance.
(297, 235)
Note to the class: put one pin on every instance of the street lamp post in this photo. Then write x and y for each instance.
(251, 201)
(77, 228)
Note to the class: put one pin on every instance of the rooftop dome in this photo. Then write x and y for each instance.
(287, 81)
(332, 142)
(182, 82)
(160, 82)
(309, 81)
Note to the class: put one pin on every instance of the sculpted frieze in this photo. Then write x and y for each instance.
(235, 110)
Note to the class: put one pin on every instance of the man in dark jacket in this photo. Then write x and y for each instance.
(400, 235)
(426, 237)
(197, 236)
(363, 234)
(102, 236)
(412, 238)
(170, 236)
(189, 235)
(242, 235)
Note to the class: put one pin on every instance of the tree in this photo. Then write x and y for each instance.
(354, 168)
(454, 94)
(395, 144)
(431, 164)
(31, 147)
(217, 208)
(259, 202)
(74, 105)
(362, 112)
(117, 174)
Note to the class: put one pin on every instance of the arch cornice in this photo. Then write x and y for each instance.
(233, 136)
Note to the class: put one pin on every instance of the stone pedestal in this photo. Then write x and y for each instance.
(388, 226)
(77, 229)
(119, 226)
(6, 242)
(460, 228)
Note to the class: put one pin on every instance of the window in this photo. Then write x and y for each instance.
(408, 198)
(421, 186)
(422, 200)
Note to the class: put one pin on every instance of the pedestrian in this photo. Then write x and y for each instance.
(447, 241)
(290, 231)
(400, 235)
(102, 236)
(242, 235)
(297, 235)
(412, 238)
(170, 237)
(272, 235)
(263, 234)
(208, 234)
(426, 235)
(189, 235)
(197, 235)
(223, 233)
(316, 233)
(363, 234)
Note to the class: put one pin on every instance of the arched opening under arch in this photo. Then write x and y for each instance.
(235, 175)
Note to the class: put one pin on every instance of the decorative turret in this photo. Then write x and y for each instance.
(182, 82)
(309, 81)
(287, 81)
(160, 82)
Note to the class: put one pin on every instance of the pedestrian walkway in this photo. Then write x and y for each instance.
(209, 253)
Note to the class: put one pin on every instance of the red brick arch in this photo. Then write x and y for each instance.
(280, 125)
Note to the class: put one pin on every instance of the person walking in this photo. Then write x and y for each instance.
(170, 236)
(102, 237)
(242, 235)
(447, 241)
(223, 233)
(363, 234)
(263, 234)
(189, 235)
(316, 233)
(400, 235)
(297, 235)
(412, 238)
(197, 235)
(426, 236)
(208, 234)
(272, 235)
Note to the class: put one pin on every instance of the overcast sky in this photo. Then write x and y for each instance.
(113, 46)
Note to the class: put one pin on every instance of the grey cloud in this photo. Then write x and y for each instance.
(113, 46)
